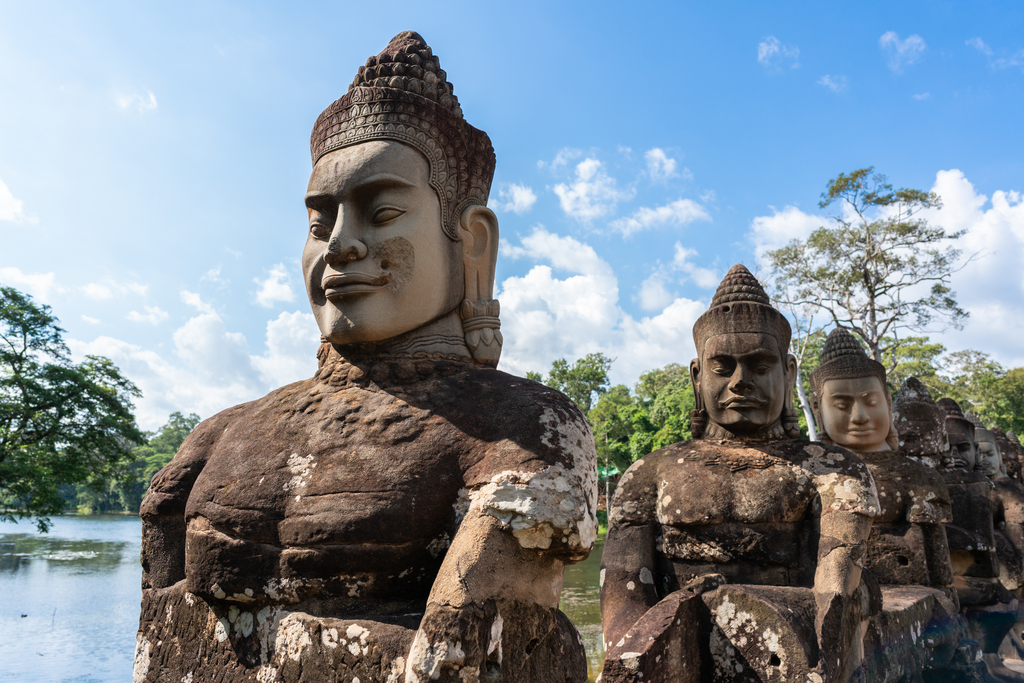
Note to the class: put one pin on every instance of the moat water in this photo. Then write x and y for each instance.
(69, 600)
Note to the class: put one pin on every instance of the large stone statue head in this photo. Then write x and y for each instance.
(921, 425)
(401, 243)
(743, 376)
(850, 401)
(963, 453)
(1008, 453)
(989, 459)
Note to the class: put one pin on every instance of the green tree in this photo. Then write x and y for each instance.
(582, 381)
(879, 269)
(60, 422)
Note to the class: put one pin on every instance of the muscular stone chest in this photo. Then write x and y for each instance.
(357, 493)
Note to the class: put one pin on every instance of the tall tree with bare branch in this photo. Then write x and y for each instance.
(879, 268)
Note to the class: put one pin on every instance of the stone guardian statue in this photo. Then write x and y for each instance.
(406, 513)
(738, 556)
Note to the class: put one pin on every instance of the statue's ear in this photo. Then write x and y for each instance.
(478, 230)
(695, 381)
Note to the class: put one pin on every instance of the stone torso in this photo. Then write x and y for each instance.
(347, 489)
(746, 510)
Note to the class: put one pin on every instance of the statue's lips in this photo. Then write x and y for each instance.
(741, 403)
(345, 284)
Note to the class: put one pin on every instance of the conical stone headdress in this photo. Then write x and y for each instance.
(920, 422)
(403, 94)
(955, 416)
(741, 305)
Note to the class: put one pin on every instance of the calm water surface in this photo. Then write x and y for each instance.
(69, 600)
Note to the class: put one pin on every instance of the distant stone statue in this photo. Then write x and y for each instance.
(974, 539)
(737, 556)
(907, 546)
(404, 515)
(1009, 452)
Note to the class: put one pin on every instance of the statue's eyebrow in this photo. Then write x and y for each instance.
(382, 181)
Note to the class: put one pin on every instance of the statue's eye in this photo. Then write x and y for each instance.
(841, 405)
(319, 229)
(762, 369)
(386, 214)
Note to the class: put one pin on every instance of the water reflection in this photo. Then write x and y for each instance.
(70, 604)
(581, 602)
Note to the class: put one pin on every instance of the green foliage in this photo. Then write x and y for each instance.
(878, 269)
(61, 423)
(582, 381)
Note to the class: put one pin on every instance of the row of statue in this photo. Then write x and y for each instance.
(406, 514)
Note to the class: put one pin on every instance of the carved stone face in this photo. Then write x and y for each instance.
(376, 262)
(856, 413)
(961, 446)
(743, 381)
(989, 460)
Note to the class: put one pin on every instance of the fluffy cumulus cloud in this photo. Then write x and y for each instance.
(592, 193)
(773, 55)
(515, 198)
(833, 83)
(902, 53)
(136, 101)
(661, 167)
(567, 305)
(42, 286)
(655, 293)
(275, 287)
(782, 227)
(210, 368)
(674, 214)
(11, 208)
(991, 287)
(154, 315)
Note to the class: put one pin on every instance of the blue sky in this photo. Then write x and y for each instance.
(153, 161)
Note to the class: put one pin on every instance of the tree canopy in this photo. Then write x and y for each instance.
(879, 269)
(60, 422)
(582, 381)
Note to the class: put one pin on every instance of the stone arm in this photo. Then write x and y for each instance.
(627, 584)
(842, 550)
(489, 591)
(163, 508)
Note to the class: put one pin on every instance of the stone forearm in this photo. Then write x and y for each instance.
(627, 580)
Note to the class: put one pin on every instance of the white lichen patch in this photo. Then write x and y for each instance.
(539, 507)
(289, 590)
(842, 492)
(221, 630)
(292, 638)
(170, 613)
(426, 658)
(141, 663)
(244, 624)
(439, 545)
(646, 576)
(301, 468)
(266, 674)
(494, 642)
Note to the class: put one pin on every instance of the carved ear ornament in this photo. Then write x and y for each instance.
(481, 325)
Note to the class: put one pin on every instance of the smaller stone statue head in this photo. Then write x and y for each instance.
(921, 425)
(1012, 438)
(1008, 453)
(989, 459)
(963, 452)
(743, 376)
(400, 237)
(851, 403)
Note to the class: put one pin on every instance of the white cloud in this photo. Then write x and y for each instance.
(833, 83)
(979, 45)
(13, 209)
(292, 341)
(154, 315)
(902, 52)
(922, 96)
(674, 214)
(991, 287)
(592, 194)
(660, 166)
(276, 287)
(40, 285)
(704, 278)
(567, 306)
(773, 55)
(192, 299)
(654, 294)
(779, 229)
(108, 289)
(516, 198)
(142, 103)
(564, 156)
(91, 320)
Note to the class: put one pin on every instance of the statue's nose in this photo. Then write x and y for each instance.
(344, 246)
